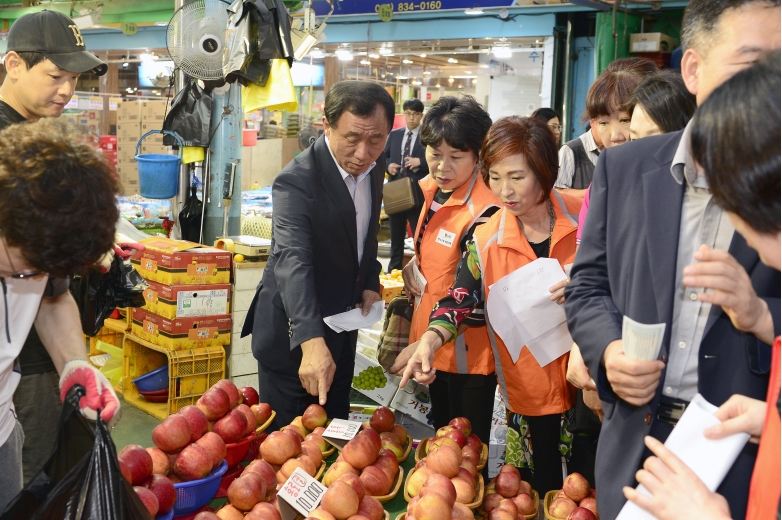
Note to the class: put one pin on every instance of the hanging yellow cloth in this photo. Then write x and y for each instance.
(278, 94)
(191, 154)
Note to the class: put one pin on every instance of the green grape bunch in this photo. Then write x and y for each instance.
(370, 378)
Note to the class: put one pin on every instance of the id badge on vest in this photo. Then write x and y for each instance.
(445, 238)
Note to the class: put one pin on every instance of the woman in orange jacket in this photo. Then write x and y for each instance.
(519, 164)
(456, 202)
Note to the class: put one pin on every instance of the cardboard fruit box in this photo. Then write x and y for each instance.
(179, 262)
(187, 301)
(181, 333)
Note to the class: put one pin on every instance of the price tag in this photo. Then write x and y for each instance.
(299, 494)
(340, 432)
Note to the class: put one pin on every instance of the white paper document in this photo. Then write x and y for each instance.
(420, 280)
(353, 319)
(522, 313)
(641, 341)
(709, 459)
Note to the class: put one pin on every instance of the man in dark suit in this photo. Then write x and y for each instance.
(406, 157)
(657, 249)
(323, 259)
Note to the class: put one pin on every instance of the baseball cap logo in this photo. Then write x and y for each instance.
(77, 35)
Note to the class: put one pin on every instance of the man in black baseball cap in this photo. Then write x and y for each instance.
(45, 56)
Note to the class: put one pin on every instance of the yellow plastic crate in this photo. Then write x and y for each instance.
(196, 369)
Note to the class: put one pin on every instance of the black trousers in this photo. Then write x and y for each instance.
(283, 391)
(545, 431)
(464, 395)
(398, 222)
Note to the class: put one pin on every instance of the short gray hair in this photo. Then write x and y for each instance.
(701, 17)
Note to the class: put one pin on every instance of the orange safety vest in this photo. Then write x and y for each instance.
(438, 258)
(528, 388)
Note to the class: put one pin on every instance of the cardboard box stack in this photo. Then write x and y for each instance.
(189, 296)
(134, 119)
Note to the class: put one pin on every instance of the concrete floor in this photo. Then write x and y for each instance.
(134, 427)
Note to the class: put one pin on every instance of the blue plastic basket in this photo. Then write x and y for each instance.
(166, 516)
(158, 174)
(197, 493)
(153, 381)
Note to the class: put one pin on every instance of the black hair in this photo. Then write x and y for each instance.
(736, 139)
(461, 122)
(614, 85)
(665, 99)
(545, 114)
(413, 104)
(360, 98)
(701, 17)
(31, 58)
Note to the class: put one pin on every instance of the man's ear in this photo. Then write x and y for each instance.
(326, 127)
(14, 65)
(691, 63)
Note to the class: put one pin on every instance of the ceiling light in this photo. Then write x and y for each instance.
(468, 72)
(125, 65)
(453, 60)
(146, 57)
(385, 51)
(401, 77)
(438, 85)
(501, 50)
(407, 62)
(427, 72)
(475, 81)
(344, 53)
(423, 55)
(484, 66)
(461, 86)
(315, 52)
(473, 10)
(366, 62)
(374, 56)
(416, 82)
(450, 80)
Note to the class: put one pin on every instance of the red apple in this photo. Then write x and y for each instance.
(470, 466)
(371, 508)
(249, 395)
(319, 441)
(462, 512)
(508, 483)
(473, 440)
(462, 424)
(561, 507)
(311, 450)
(491, 501)
(386, 460)
(416, 481)
(321, 514)
(138, 460)
(336, 470)
(252, 423)
(374, 436)
(524, 487)
(267, 473)
(233, 393)
(263, 511)
(262, 412)
(314, 417)
(148, 498)
(581, 513)
(509, 506)
(246, 491)
(440, 485)
(232, 427)
(193, 463)
(360, 451)
(164, 490)
(442, 431)
(293, 431)
(215, 403)
(458, 437)
(160, 461)
(376, 482)
(401, 434)
(589, 503)
(125, 470)
(206, 515)
(432, 507)
(229, 512)
(279, 447)
(196, 420)
(444, 460)
(382, 420)
(576, 487)
(355, 482)
(471, 453)
(524, 503)
(465, 490)
(214, 446)
(340, 500)
(391, 443)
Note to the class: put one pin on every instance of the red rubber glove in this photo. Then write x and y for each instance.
(100, 394)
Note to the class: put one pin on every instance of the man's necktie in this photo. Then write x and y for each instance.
(406, 152)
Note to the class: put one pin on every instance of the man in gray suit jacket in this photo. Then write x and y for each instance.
(323, 259)
(650, 215)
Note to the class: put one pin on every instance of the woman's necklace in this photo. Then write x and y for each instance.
(551, 228)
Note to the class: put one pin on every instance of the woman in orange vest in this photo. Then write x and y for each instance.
(519, 164)
(456, 202)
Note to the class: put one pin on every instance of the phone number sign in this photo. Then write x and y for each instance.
(364, 7)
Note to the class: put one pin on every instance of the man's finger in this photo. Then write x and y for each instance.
(672, 462)
(645, 502)
(407, 374)
(323, 389)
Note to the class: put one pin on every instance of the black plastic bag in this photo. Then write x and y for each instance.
(190, 218)
(98, 294)
(81, 480)
(189, 116)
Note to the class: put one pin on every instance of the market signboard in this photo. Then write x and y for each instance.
(342, 7)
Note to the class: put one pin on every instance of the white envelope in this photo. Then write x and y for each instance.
(353, 319)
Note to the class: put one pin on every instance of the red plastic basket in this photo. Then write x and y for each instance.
(234, 453)
(230, 475)
(255, 446)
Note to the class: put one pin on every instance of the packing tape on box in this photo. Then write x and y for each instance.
(226, 244)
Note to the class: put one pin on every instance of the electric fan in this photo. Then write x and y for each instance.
(196, 37)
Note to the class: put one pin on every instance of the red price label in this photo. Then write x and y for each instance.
(302, 492)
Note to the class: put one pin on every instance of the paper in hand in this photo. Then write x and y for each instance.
(353, 319)
(641, 341)
(709, 459)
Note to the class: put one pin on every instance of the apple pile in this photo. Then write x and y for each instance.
(453, 458)
(575, 501)
(367, 457)
(347, 498)
(155, 490)
(438, 499)
(507, 497)
(253, 493)
(223, 405)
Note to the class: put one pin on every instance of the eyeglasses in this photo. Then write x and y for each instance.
(15, 275)
(413, 114)
(556, 128)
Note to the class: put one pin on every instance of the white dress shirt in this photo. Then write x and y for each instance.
(567, 161)
(415, 132)
(360, 189)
